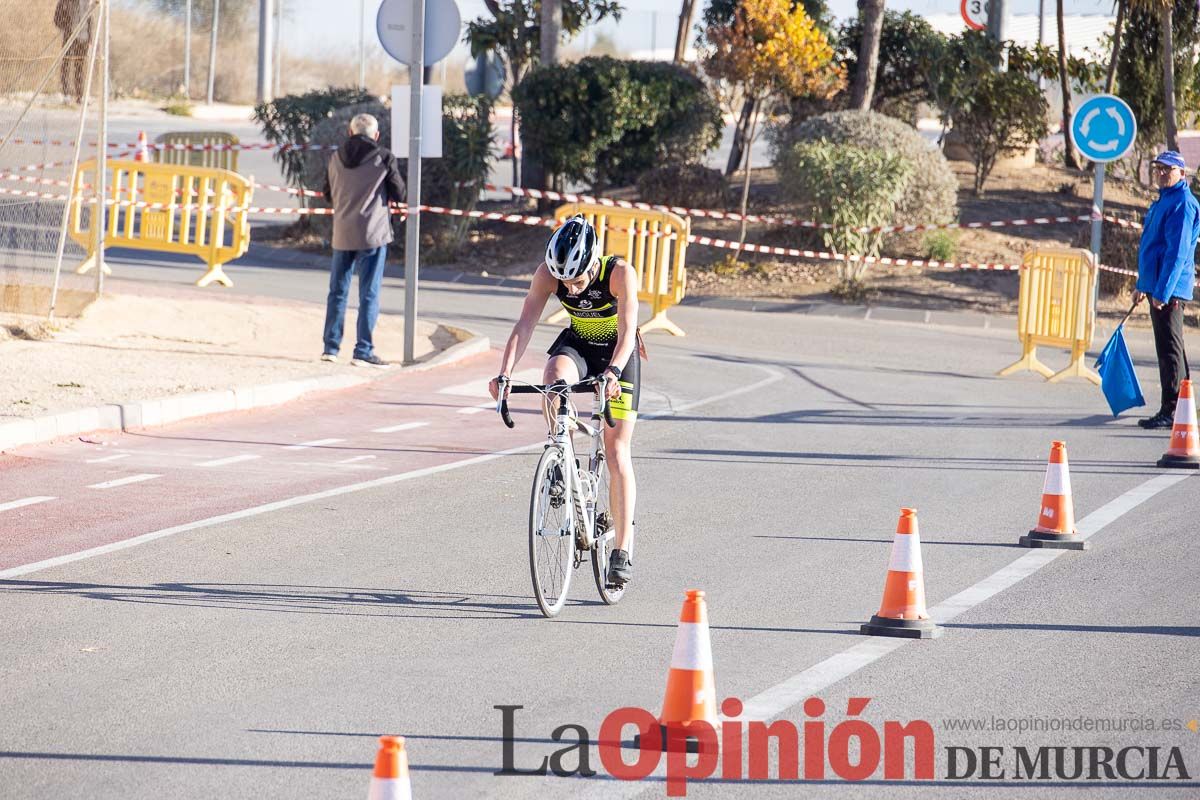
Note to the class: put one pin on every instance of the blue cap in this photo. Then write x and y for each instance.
(1170, 158)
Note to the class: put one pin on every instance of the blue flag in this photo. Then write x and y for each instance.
(1118, 381)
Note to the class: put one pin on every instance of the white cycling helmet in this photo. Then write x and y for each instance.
(572, 249)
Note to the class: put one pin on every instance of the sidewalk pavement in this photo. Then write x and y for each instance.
(160, 355)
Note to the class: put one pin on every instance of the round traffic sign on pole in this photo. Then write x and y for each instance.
(443, 25)
(974, 13)
(1104, 128)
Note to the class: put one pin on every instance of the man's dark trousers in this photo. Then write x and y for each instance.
(370, 264)
(1168, 343)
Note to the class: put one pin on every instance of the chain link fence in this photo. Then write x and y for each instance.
(48, 103)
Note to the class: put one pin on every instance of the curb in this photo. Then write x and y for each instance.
(164, 411)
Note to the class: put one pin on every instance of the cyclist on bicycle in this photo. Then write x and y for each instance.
(600, 295)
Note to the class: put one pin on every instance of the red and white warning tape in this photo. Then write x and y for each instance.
(704, 241)
(1122, 223)
(189, 147)
(775, 219)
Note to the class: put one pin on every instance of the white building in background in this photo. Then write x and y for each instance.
(1085, 33)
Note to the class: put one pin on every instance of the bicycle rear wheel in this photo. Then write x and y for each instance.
(605, 539)
(551, 534)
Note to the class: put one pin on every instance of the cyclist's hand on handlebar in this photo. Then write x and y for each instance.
(612, 386)
(494, 386)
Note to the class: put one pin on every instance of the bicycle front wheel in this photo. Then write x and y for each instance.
(551, 533)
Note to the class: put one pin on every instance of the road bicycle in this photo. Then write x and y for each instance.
(569, 514)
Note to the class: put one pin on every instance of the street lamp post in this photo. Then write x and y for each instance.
(212, 50)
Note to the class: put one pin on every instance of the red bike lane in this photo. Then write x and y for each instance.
(72, 495)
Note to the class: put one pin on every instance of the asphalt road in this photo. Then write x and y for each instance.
(258, 652)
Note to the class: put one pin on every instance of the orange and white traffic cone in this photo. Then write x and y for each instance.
(1056, 520)
(142, 153)
(1184, 450)
(902, 612)
(691, 694)
(390, 779)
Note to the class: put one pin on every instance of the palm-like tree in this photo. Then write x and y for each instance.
(1064, 82)
(1164, 9)
(863, 90)
(1110, 82)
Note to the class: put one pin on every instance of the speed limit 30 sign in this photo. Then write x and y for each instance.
(974, 13)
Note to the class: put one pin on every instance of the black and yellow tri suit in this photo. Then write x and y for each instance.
(592, 338)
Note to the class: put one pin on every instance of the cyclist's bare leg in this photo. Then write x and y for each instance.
(618, 442)
(558, 368)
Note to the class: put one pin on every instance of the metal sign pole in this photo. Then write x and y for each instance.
(266, 40)
(100, 218)
(412, 241)
(362, 44)
(1097, 228)
(187, 50)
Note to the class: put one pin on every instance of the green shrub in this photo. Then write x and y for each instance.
(291, 119)
(687, 185)
(941, 245)
(603, 122)
(847, 187)
(930, 191)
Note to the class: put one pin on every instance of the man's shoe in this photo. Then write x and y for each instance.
(1159, 421)
(620, 568)
(330, 357)
(370, 361)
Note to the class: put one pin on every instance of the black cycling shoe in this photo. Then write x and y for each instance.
(620, 568)
(1159, 421)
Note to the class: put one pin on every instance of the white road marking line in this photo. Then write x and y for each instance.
(278, 505)
(106, 459)
(479, 408)
(407, 426)
(317, 443)
(799, 687)
(354, 460)
(124, 481)
(27, 501)
(221, 462)
(478, 387)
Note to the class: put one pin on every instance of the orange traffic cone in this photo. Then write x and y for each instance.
(143, 148)
(1056, 521)
(902, 612)
(390, 779)
(1184, 451)
(691, 691)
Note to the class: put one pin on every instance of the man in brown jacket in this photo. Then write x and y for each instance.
(363, 180)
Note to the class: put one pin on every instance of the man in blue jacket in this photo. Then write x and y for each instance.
(1166, 274)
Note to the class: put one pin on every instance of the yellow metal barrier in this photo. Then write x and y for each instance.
(201, 157)
(641, 238)
(216, 229)
(1055, 309)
